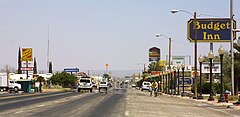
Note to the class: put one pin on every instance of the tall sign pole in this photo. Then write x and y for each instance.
(195, 57)
(232, 55)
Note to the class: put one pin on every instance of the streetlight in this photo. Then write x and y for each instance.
(200, 59)
(183, 67)
(169, 50)
(163, 82)
(166, 73)
(195, 46)
(221, 52)
(210, 56)
(174, 81)
(170, 82)
(159, 81)
(178, 68)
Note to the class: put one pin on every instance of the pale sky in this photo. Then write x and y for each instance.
(90, 33)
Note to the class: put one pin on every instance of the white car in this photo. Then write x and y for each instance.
(103, 86)
(145, 85)
(85, 83)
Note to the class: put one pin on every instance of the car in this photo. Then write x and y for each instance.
(134, 85)
(109, 84)
(145, 85)
(94, 85)
(103, 86)
(85, 83)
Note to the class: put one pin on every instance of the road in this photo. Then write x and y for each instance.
(128, 102)
(64, 104)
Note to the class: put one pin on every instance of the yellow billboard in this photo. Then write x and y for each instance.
(26, 54)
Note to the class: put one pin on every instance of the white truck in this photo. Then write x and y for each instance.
(8, 85)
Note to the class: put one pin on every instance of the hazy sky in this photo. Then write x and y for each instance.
(90, 33)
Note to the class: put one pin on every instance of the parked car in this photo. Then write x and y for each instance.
(145, 85)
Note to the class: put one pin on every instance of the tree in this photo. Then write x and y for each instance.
(50, 67)
(227, 67)
(154, 66)
(8, 69)
(35, 66)
(64, 79)
(19, 61)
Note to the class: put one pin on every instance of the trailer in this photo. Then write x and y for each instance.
(8, 85)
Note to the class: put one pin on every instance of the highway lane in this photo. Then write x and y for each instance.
(14, 103)
(93, 105)
(113, 106)
(72, 104)
(14, 97)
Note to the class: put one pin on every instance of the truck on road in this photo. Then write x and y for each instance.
(8, 85)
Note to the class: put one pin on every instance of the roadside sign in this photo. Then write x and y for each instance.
(106, 65)
(216, 67)
(211, 30)
(186, 68)
(26, 54)
(154, 54)
(162, 63)
(178, 60)
(71, 70)
(27, 68)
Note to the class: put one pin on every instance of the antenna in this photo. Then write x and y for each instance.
(48, 49)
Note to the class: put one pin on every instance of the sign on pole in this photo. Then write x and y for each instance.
(154, 54)
(178, 60)
(26, 54)
(211, 30)
(71, 70)
(216, 67)
(27, 68)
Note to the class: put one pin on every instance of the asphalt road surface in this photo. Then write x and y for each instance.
(64, 104)
(118, 102)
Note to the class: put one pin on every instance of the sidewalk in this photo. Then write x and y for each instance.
(140, 104)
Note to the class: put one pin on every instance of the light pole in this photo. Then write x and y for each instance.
(163, 81)
(174, 81)
(210, 56)
(183, 67)
(178, 68)
(159, 81)
(169, 83)
(221, 52)
(169, 49)
(200, 59)
(166, 82)
(195, 47)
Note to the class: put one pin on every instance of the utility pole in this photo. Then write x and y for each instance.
(232, 55)
(48, 49)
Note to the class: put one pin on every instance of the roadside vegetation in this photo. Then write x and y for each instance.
(64, 80)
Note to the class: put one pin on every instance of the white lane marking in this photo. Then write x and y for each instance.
(126, 113)
(41, 105)
(18, 111)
